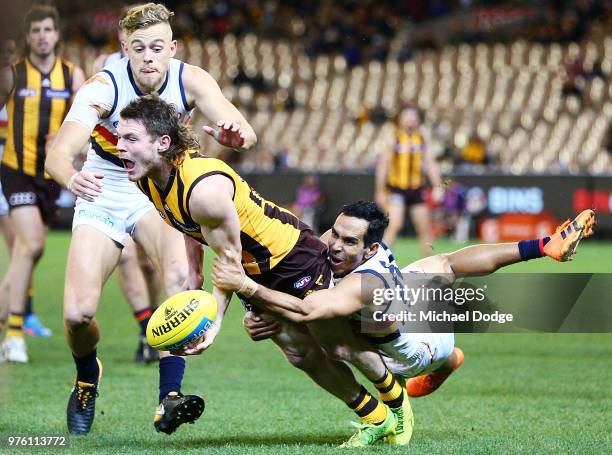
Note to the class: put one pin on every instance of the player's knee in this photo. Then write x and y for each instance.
(126, 260)
(337, 352)
(80, 308)
(32, 248)
(174, 277)
(340, 353)
(306, 360)
(147, 267)
(75, 318)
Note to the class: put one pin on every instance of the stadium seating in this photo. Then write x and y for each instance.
(321, 111)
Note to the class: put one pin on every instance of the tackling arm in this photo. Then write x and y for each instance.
(342, 300)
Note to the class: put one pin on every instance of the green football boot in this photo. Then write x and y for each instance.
(405, 424)
(369, 434)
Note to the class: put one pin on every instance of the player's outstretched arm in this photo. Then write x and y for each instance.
(231, 128)
(212, 207)
(342, 300)
(93, 101)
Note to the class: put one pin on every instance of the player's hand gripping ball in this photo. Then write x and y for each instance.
(181, 320)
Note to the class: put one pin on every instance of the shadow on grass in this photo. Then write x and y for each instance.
(198, 442)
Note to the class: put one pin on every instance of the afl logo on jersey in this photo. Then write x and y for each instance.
(162, 214)
(302, 282)
(27, 92)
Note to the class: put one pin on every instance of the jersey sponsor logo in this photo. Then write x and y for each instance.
(94, 216)
(62, 94)
(27, 92)
(302, 282)
(25, 198)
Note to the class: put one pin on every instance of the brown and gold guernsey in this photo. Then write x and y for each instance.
(405, 171)
(36, 108)
(267, 232)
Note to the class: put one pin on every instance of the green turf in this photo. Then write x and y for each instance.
(516, 393)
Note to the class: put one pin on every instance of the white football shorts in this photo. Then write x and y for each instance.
(117, 209)
(432, 350)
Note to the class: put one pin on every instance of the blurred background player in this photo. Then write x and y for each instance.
(400, 180)
(8, 55)
(37, 92)
(309, 200)
(31, 324)
(136, 274)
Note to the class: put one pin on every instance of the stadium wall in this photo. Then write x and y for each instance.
(561, 196)
(487, 196)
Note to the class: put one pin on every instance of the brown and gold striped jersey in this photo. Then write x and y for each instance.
(405, 169)
(36, 108)
(267, 232)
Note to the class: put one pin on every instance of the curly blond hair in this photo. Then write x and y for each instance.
(144, 16)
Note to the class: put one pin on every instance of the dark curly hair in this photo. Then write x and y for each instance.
(159, 119)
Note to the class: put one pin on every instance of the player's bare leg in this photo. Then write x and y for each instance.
(31, 325)
(8, 233)
(303, 352)
(397, 213)
(421, 220)
(131, 279)
(28, 247)
(133, 283)
(91, 259)
(151, 275)
(165, 246)
(483, 259)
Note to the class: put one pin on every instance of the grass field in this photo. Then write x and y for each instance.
(516, 393)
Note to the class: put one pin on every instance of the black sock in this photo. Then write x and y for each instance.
(29, 310)
(171, 370)
(87, 367)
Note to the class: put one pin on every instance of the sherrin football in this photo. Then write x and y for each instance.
(181, 319)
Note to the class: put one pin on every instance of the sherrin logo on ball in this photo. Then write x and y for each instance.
(181, 320)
